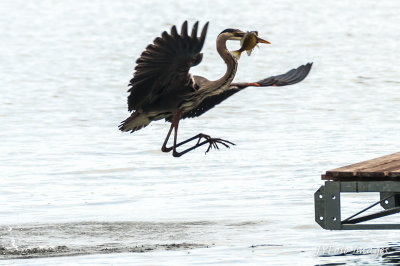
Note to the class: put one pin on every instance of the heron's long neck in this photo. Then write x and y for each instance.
(230, 61)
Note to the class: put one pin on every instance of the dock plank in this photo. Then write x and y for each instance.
(385, 168)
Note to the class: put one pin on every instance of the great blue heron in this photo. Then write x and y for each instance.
(163, 88)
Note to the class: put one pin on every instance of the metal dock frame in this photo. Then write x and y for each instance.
(328, 208)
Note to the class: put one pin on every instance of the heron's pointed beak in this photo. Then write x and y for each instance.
(259, 40)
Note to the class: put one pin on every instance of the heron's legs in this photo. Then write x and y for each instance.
(164, 146)
(213, 142)
(174, 124)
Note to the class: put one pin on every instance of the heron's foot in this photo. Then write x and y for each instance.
(166, 149)
(213, 142)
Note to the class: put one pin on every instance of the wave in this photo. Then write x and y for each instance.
(41, 252)
(85, 238)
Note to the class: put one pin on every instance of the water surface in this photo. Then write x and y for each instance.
(72, 184)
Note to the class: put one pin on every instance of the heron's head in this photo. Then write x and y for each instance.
(248, 40)
(232, 34)
(235, 34)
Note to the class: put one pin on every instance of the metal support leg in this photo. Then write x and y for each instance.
(328, 209)
(319, 203)
(327, 206)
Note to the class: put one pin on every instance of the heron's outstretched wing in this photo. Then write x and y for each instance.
(291, 77)
(164, 65)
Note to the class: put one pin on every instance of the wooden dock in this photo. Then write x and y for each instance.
(377, 175)
(378, 169)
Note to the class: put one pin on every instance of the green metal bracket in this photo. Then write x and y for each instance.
(328, 208)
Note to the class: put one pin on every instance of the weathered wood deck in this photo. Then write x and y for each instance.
(385, 168)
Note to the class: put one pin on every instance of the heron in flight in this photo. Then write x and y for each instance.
(163, 88)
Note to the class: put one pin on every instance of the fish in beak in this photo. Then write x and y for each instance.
(249, 40)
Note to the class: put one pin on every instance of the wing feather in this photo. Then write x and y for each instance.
(210, 102)
(291, 77)
(164, 65)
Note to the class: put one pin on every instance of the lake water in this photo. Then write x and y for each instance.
(75, 190)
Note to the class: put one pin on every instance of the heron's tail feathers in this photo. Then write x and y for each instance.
(135, 122)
